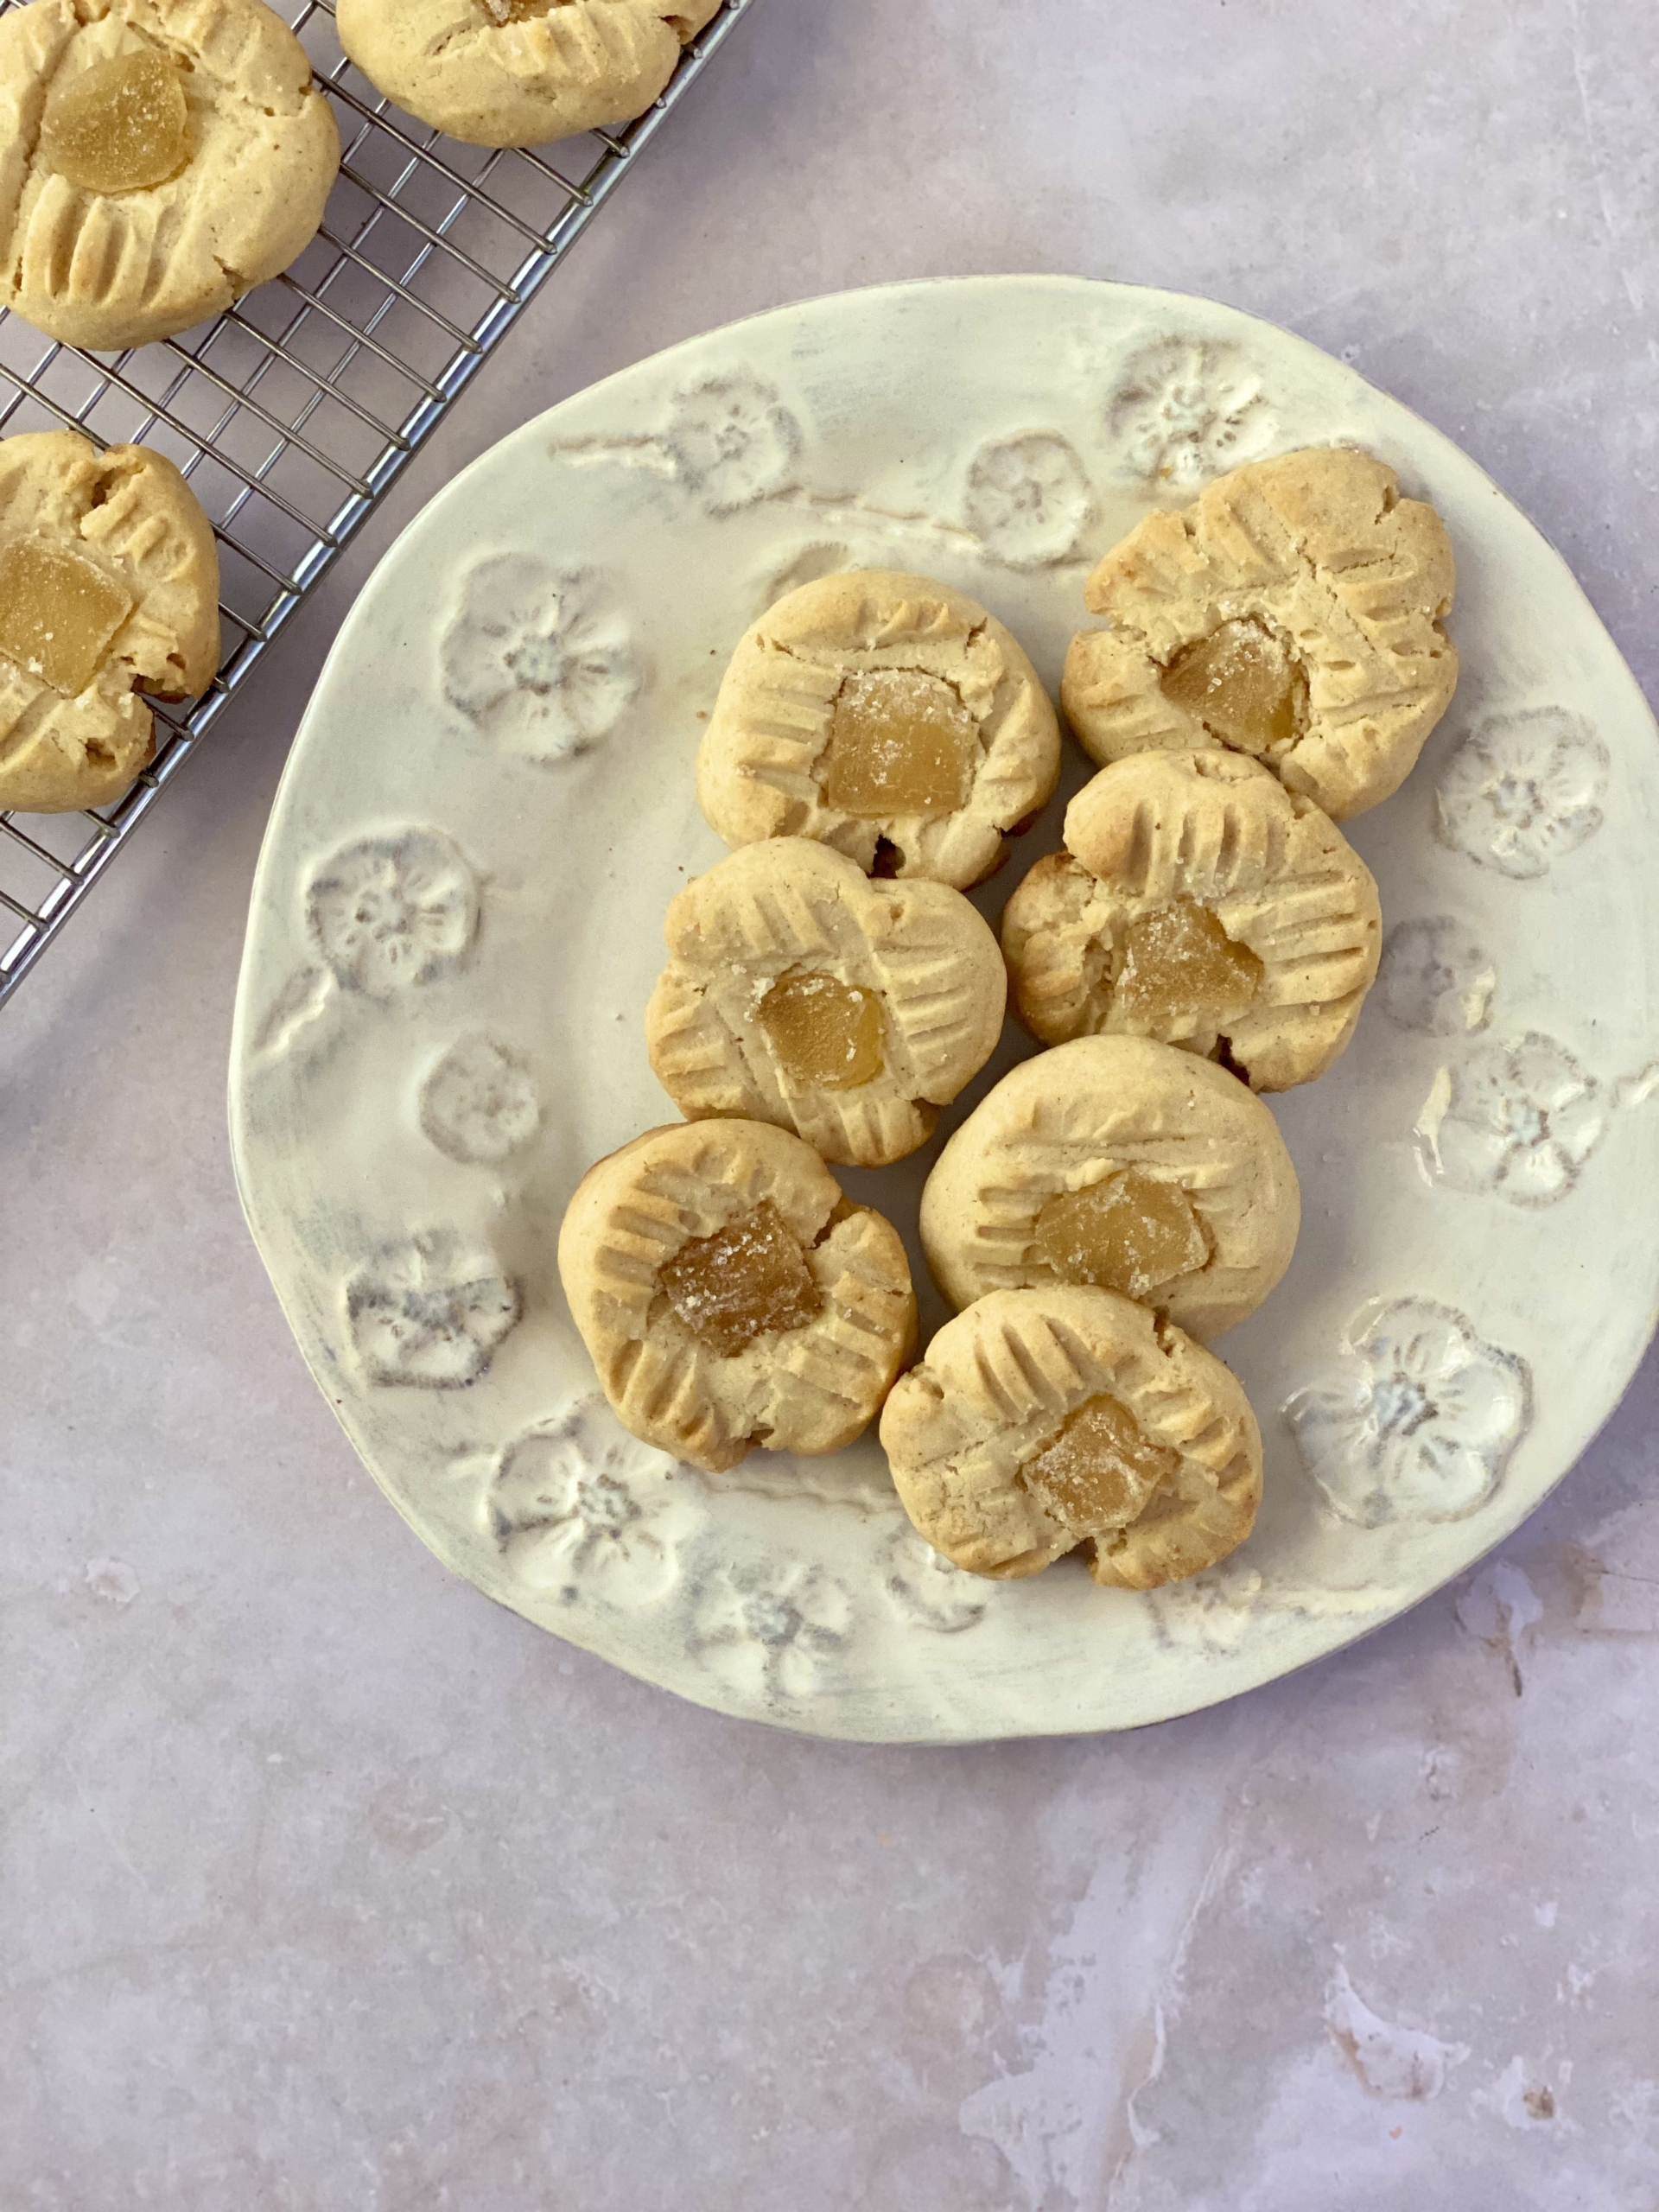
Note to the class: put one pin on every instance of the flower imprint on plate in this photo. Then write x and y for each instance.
(428, 1311)
(1027, 498)
(1522, 790)
(1437, 976)
(731, 440)
(389, 912)
(1188, 410)
(926, 1589)
(1210, 1612)
(767, 1628)
(1515, 1120)
(478, 1103)
(577, 1505)
(1420, 1421)
(538, 659)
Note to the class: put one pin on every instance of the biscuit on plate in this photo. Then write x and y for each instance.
(160, 158)
(884, 714)
(109, 587)
(800, 993)
(1044, 1419)
(1199, 902)
(1293, 613)
(1123, 1164)
(730, 1295)
(519, 72)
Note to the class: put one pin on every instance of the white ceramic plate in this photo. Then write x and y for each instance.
(456, 926)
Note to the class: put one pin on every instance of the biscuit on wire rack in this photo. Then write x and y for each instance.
(519, 72)
(1198, 902)
(884, 714)
(800, 993)
(160, 158)
(1123, 1164)
(731, 1296)
(1042, 1420)
(109, 587)
(1293, 613)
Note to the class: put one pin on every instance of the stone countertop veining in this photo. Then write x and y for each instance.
(329, 1886)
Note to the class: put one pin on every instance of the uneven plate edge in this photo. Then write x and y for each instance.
(1230, 1674)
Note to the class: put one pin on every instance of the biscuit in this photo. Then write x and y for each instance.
(517, 72)
(799, 992)
(158, 158)
(109, 587)
(1044, 1419)
(1121, 1163)
(730, 1295)
(888, 716)
(1291, 612)
(1199, 902)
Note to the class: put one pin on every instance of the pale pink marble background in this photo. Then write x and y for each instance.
(326, 1887)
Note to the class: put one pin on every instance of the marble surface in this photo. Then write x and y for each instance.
(326, 1886)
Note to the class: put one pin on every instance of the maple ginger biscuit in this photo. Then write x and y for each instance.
(109, 587)
(1045, 1420)
(1291, 612)
(799, 992)
(1199, 902)
(158, 158)
(1123, 1164)
(519, 72)
(731, 1296)
(884, 714)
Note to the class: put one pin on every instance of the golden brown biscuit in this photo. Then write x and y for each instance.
(800, 993)
(1044, 1419)
(517, 72)
(884, 714)
(1291, 612)
(158, 158)
(109, 587)
(731, 1296)
(1121, 1163)
(1201, 903)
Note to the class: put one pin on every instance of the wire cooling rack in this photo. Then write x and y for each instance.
(292, 414)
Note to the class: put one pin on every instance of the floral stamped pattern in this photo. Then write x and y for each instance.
(1419, 1422)
(732, 442)
(387, 914)
(1524, 790)
(577, 1506)
(1437, 977)
(926, 1590)
(1188, 410)
(478, 1105)
(428, 1312)
(1513, 1121)
(538, 659)
(1028, 499)
(732, 445)
(1212, 1612)
(769, 1628)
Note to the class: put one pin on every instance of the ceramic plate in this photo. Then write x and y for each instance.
(456, 924)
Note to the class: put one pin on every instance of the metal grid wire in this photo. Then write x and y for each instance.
(291, 414)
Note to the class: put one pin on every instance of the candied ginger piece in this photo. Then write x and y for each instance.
(1178, 961)
(1100, 1472)
(1131, 1233)
(502, 12)
(748, 1279)
(824, 1032)
(1241, 684)
(118, 126)
(59, 612)
(901, 744)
